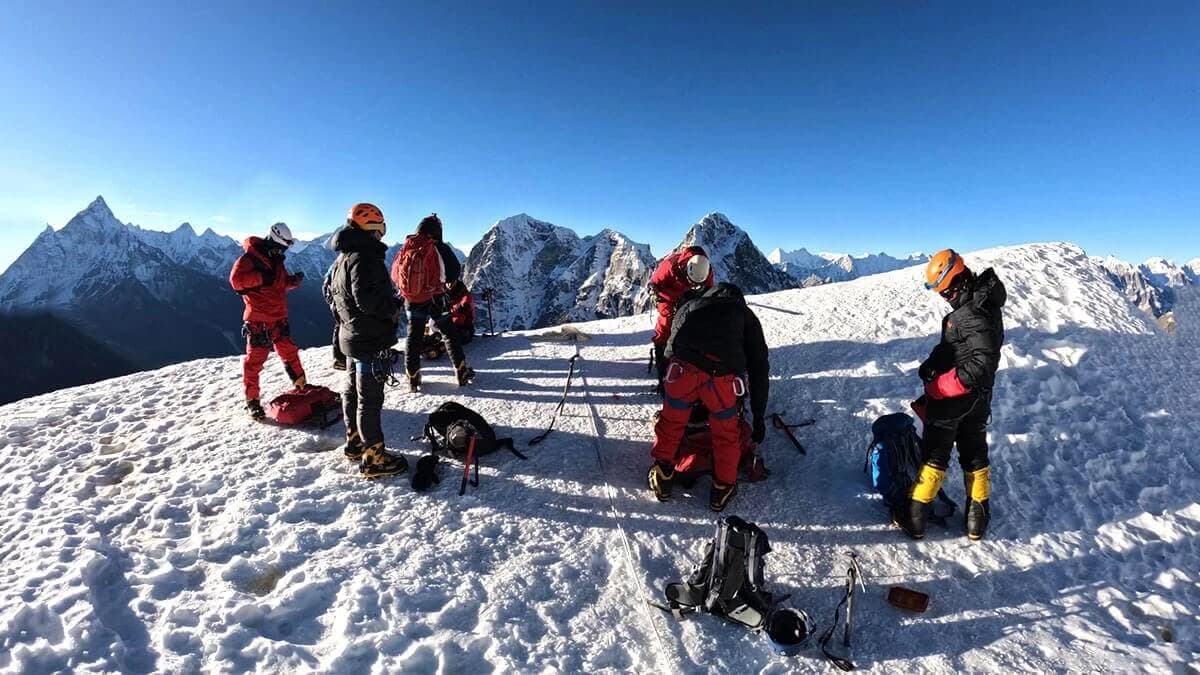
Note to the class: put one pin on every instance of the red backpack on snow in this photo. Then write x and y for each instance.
(417, 271)
(313, 405)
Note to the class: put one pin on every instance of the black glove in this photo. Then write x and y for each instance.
(425, 476)
(760, 430)
(940, 360)
(296, 278)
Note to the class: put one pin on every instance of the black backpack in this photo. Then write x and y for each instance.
(893, 462)
(729, 581)
(450, 414)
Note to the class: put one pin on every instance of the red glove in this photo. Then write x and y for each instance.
(946, 385)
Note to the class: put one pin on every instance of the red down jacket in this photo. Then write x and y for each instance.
(262, 281)
(669, 283)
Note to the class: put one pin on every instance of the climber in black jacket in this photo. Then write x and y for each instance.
(368, 316)
(958, 377)
(716, 354)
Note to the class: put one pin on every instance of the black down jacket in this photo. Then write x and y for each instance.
(363, 296)
(715, 331)
(975, 331)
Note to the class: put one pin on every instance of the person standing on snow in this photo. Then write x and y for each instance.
(675, 275)
(462, 311)
(260, 277)
(368, 317)
(958, 378)
(339, 359)
(423, 271)
(716, 354)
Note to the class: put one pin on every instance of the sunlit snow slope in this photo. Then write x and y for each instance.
(145, 525)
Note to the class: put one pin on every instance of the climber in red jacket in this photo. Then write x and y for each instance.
(676, 274)
(260, 277)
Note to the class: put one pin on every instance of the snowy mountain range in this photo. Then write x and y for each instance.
(543, 274)
(822, 268)
(146, 525)
(153, 298)
(150, 297)
(1153, 285)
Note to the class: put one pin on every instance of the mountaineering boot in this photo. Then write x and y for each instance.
(353, 449)
(661, 478)
(465, 374)
(300, 383)
(414, 382)
(339, 364)
(911, 518)
(378, 462)
(254, 409)
(720, 495)
(979, 488)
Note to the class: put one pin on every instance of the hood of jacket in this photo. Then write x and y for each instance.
(985, 292)
(354, 240)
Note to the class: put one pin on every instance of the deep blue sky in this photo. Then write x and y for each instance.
(841, 126)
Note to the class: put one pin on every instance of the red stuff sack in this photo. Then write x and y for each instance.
(695, 453)
(313, 405)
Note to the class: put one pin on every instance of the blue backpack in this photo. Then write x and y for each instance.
(893, 460)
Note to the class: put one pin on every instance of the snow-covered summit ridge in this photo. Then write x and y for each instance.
(160, 531)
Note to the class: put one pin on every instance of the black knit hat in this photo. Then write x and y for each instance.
(431, 226)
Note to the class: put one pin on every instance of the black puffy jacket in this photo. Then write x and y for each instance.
(715, 331)
(975, 331)
(363, 296)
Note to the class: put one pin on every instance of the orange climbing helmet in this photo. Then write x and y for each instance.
(943, 268)
(366, 216)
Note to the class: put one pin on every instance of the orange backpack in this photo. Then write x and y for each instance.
(417, 271)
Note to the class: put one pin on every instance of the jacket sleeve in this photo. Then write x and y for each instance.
(449, 263)
(327, 286)
(662, 274)
(980, 355)
(372, 289)
(245, 276)
(758, 366)
(292, 282)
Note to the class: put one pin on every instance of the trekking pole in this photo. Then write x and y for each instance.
(650, 367)
(778, 423)
(488, 294)
(854, 574)
(562, 402)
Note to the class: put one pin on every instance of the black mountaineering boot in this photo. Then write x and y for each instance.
(912, 516)
(353, 449)
(662, 476)
(465, 374)
(720, 495)
(414, 383)
(377, 462)
(254, 409)
(979, 489)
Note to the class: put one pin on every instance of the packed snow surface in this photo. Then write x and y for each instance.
(145, 525)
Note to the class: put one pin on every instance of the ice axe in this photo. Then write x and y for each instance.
(778, 422)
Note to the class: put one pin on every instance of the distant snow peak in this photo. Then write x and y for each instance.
(734, 256)
(543, 274)
(1152, 285)
(823, 268)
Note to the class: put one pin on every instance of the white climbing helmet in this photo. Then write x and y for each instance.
(281, 234)
(697, 269)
